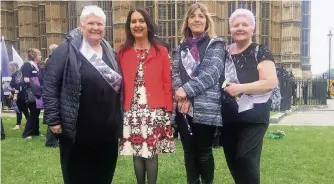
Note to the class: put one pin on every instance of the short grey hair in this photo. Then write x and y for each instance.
(15, 64)
(243, 12)
(92, 9)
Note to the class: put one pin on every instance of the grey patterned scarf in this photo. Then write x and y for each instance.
(94, 58)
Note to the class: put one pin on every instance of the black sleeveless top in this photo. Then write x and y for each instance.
(246, 67)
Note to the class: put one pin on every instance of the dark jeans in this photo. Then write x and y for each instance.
(242, 143)
(84, 163)
(32, 126)
(197, 149)
(217, 137)
(23, 108)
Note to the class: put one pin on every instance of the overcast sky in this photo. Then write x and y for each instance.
(322, 20)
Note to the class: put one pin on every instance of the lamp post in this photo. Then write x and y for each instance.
(329, 63)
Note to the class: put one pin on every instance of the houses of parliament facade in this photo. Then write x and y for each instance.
(284, 26)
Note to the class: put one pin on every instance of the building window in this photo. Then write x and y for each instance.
(265, 10)
(72, 15)
(231, 8)
(171, 44)
(265, 41)
(107, 8)
(295, 65)
(265, 27)
(179, 26)
(254, 7)
(150, 11)
(162, 12)
(172, 28)
(169, 25)
(149, 3)
(241, 4)
(171, 12)
(180, 11)
(162, 28)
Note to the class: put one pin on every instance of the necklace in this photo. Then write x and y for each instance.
(142, 55)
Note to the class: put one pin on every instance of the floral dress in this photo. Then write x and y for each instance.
(146, 132)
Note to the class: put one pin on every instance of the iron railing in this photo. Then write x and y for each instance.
(299, 92)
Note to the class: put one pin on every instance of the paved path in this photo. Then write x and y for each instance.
(330, 104)
(323, 117)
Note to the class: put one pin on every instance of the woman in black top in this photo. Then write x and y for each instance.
(82, 87)
(29, 71)
(18, 94)
(250, 75)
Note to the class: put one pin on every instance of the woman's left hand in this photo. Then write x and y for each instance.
(233, 89)
(180, 94)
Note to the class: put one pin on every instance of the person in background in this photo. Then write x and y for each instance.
(147, 96)
(3, 135)
(51, 138)
(18, 94)
(30, 70)
(198, 63)
(250, 70)
(52, 48)
(82, 101)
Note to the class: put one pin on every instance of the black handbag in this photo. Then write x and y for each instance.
(30, 97)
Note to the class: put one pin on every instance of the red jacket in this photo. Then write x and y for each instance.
(157, 74)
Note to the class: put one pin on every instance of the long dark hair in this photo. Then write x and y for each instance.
(151, 30)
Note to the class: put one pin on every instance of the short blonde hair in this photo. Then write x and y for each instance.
(209, 28)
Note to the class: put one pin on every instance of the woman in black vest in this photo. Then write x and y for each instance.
(82, 91)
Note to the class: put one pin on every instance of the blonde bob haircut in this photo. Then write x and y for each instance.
(209, 27)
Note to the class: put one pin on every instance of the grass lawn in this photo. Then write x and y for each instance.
(304, 156)
(273, 113)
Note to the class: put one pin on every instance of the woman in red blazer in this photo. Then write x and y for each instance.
(147, 96)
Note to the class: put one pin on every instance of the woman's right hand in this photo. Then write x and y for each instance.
(184, 106)
(15, 98)
(56, 129)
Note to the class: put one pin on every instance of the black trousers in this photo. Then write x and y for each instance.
(84, 163)
(242, 143)
(3, 136)
(23, 108)
(32, 126)
(198, 156)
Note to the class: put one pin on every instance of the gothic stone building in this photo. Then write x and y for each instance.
(284, 26)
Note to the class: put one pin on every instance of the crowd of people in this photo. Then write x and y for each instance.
(99, 103)
(25, 97)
